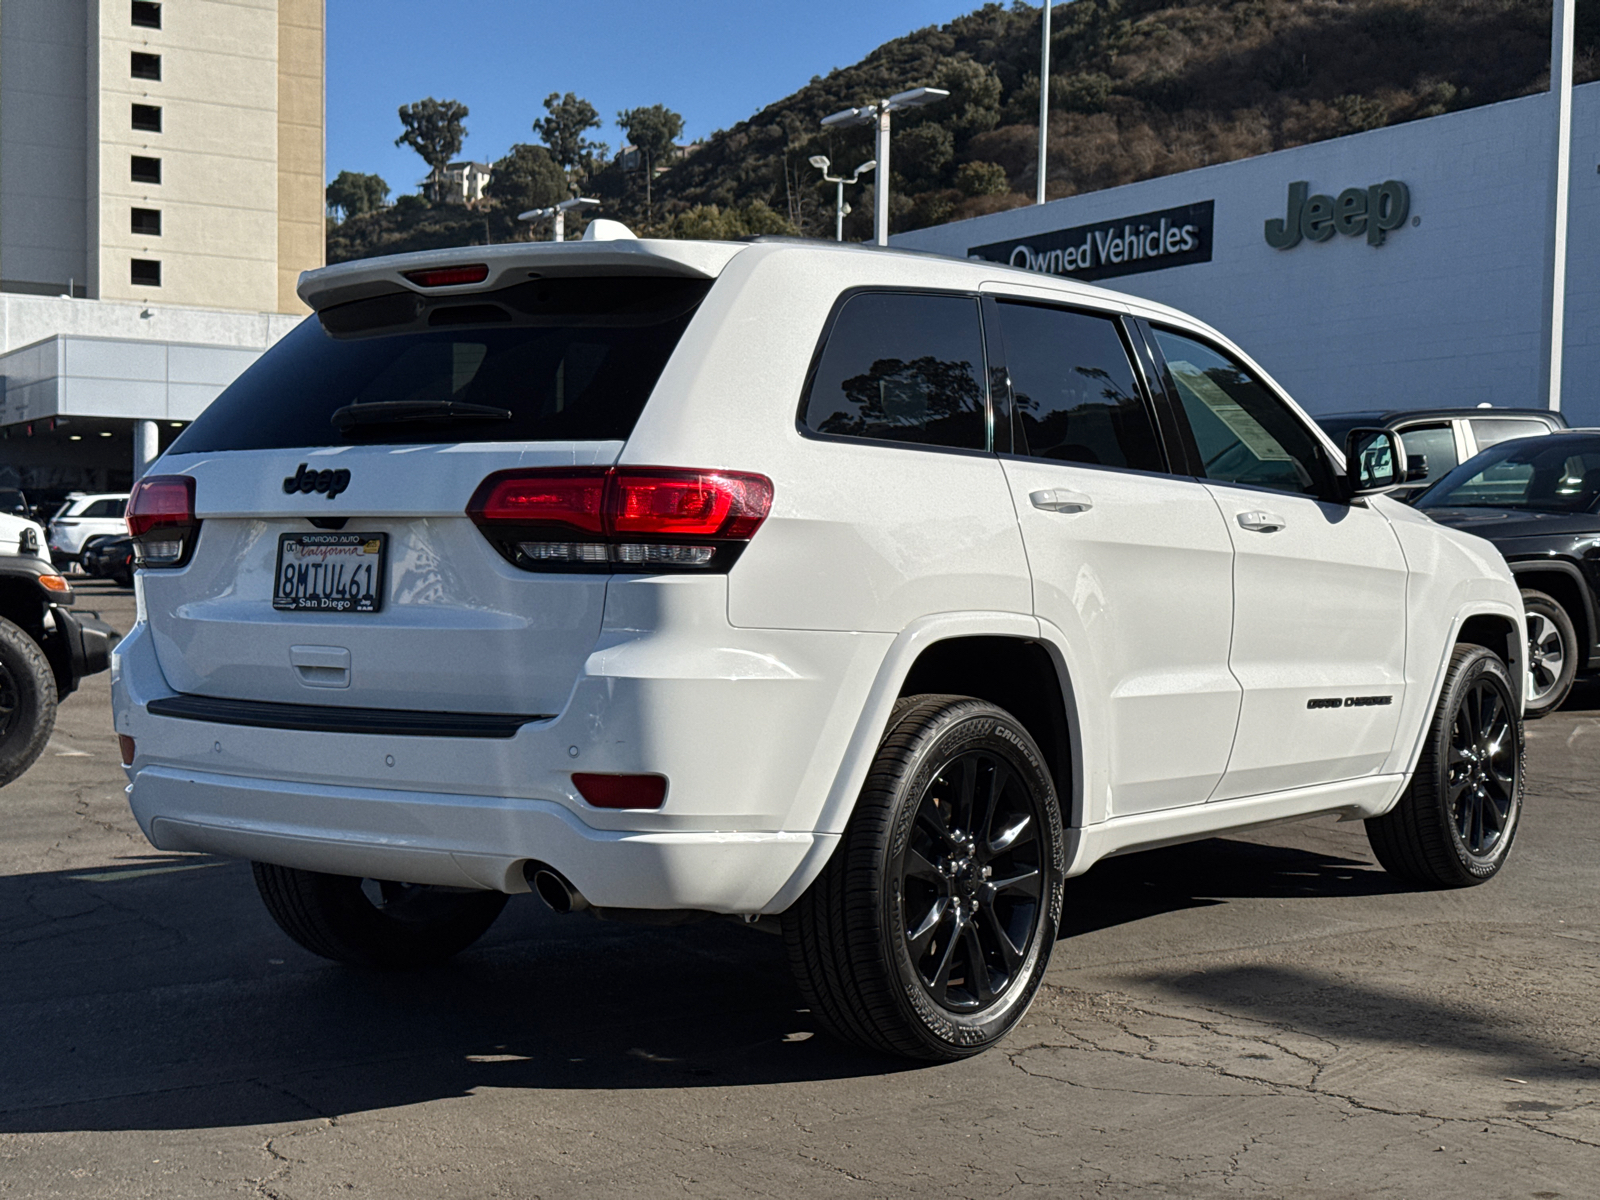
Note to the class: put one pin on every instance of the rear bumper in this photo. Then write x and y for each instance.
(750, 728)
(466, 841)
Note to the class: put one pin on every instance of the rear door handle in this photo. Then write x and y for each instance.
(1261, 522)
(1060, 500)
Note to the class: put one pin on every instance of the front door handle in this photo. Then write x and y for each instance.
(1261, 522)
(1060, 500)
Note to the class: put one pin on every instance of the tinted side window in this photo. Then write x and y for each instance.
(903, 367)
(105, 508)
(1243, 432)
(1436, 444)
(1073, 392)
(1491, 431)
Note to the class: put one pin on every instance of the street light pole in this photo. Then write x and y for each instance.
(822, 162)
(1044, 103)
(878, 114)
(558, 228)
(1561, 38)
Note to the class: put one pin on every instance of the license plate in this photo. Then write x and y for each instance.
(329, 572)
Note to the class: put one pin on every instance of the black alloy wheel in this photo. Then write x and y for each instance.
(927, 933)
(1454, 824)
(1483, 768)
(10, 700)
(971, 882)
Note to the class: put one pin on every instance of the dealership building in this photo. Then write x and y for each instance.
(161, 189)
(1405, 267)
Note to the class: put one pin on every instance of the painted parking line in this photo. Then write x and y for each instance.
(139, 872)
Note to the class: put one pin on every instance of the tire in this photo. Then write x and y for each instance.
(1552, 654)
(867, 941)
(1456, 821)
(375, 923)
(27, 701)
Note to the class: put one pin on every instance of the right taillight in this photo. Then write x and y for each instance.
(621, 518)
(161, 520)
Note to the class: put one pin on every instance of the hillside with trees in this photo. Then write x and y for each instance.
(1138, 88)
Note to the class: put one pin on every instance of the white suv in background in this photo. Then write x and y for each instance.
(873, 592)
(83, 518)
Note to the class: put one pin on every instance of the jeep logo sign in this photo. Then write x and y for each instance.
(1374, 211)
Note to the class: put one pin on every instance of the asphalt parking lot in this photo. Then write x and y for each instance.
(1260, 1016)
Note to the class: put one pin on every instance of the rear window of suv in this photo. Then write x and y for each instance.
(548, 360)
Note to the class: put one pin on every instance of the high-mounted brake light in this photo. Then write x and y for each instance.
(621, 518)
(449, 276)
(161, 520)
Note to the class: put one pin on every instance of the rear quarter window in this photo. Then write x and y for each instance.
(902, 367)
(550, 360)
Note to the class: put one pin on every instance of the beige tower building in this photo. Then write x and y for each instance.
(161, 183)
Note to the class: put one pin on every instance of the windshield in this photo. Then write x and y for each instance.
(548, 360)
(1542, 474)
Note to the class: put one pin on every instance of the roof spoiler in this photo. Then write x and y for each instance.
(513, 263)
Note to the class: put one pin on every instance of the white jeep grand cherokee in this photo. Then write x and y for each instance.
(875, 592)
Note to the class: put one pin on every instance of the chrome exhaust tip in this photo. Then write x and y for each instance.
(554, 889)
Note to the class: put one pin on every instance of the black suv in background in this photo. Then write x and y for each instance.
(1444, 437)
(1538, 501)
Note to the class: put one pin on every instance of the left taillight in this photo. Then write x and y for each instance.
(161, 520)
(634, 519)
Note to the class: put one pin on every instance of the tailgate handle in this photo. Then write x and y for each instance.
(321, 666)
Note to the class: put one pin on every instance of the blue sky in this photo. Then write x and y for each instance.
(715, 61)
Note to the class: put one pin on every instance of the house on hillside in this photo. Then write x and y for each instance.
(628, 156)
(461, 182)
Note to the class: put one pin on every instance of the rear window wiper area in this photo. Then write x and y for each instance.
(392, 412)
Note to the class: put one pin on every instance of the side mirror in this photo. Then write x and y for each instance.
(1374, 461)
(1416, 468)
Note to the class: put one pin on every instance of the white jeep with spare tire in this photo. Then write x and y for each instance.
(870, 592)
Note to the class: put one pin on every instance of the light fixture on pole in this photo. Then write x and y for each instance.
(878, 114)
(822, 162)
(558, 231)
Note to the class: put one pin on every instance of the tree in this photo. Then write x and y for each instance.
(652, 131)
(353, 193)
(527, 177)
(435, 129)
(705, 221)
(570, 118)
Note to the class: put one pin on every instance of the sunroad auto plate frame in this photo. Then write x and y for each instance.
(344, 561)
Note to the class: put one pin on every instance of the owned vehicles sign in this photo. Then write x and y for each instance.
(1170, 237)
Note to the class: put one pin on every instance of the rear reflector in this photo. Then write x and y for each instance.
(621, 791)
(621, 518)
(125, 744)
(449, 276)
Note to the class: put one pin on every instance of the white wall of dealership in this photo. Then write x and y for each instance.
(1449, 310)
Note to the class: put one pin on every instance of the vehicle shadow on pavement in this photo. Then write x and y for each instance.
(1344, 1010)
(159, 995)
(1117, 891)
